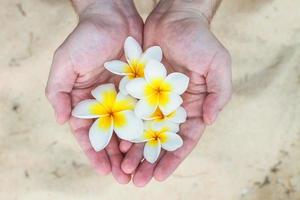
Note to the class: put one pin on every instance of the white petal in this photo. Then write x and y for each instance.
(124, 102)
(172, 105)
(155, 70)
(148, 125)
(136, 87)
(179, 115)
(151, 152)
(100, 137)
(131, 128)
(143, 109)
(100, 90)
(178, 81)
(116, 67)
(173, 141)
(152, 53)
(126, 97)
(164, 125)
(173, 127)
(86, 109)
(140, 138)
(132, 49)
(122, 85)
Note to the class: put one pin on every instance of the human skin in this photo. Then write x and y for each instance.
(188, 46)
(191, 48)
(77, 68)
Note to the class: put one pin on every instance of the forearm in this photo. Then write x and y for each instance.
(206, 7)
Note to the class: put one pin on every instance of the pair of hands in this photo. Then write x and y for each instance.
(188, 47)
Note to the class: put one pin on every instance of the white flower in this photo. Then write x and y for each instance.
(145, 78)
(136, 61)
(114, 112)
(159, 136)
(178, 116)
(157, 90)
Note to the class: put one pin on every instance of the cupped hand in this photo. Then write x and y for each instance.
(191, 48)
(77, 68)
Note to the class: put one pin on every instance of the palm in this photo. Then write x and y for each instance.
(86, 49)
(179, 47)
(93, 42)
(189, 47)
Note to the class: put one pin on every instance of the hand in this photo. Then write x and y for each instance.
(191, 48)
(77, 68)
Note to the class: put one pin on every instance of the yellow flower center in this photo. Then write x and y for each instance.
(135, 69)
(154, 137)
(158, 91)
(158, 116)
(110, 110)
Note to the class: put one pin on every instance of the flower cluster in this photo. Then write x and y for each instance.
(147, 107)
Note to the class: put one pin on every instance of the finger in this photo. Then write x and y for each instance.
(99, 160)
(60, 84)
(191, 133)
(144, 173)
(219, 87)
(124, 146)
(132, 158)
(116, 157)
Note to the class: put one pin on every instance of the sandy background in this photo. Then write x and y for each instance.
(251, 153)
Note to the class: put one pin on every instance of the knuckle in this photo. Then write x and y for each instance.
(228, 94)
(48, 93)
(226, 57)
(58, 52)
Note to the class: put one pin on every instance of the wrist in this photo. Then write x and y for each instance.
(80, 5)
(206, 8)
(103, 7)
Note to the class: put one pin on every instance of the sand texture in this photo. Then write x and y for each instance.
(252, 152)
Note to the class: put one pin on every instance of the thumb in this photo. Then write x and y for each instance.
(219, 87)
(60, 84)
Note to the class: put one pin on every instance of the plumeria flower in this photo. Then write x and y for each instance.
(159, 136)
(178, 116)
(136, 61)
(157, 90)
(114, 112)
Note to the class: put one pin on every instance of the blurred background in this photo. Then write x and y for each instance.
(252, 152)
